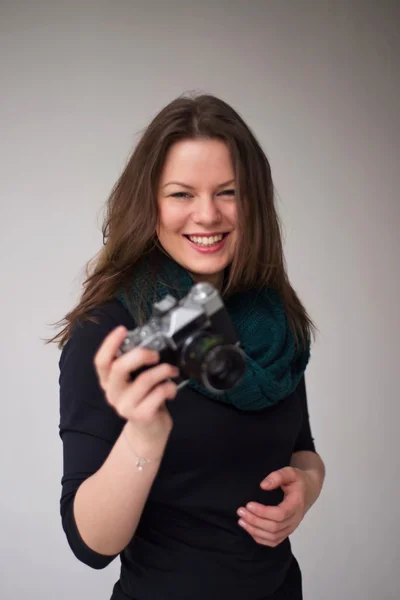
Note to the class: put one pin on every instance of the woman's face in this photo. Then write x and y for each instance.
(197, 208)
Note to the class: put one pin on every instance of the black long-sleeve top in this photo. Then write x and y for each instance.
(188, 543)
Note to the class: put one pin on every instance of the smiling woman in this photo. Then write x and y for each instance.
(200, 495)
(202, 143)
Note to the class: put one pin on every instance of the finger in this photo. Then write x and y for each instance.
(118, 378)
(269, 539)
(105, 355)
(265, 524)
(280, 478)
(147, 409)
(146, 381)
(121, 392)
(283, 511)
(272, 543)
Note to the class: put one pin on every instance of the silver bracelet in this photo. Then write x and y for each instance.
(140, 460)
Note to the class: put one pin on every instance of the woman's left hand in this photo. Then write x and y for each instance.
(271, 525)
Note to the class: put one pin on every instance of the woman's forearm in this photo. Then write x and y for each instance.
(312, 464)
(108, 505)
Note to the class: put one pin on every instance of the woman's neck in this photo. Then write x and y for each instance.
(215, 279)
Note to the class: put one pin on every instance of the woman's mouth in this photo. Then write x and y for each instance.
(207, 243)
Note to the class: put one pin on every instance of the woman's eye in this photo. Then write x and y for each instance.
(187, 195)
(180, 195)
(227, 193)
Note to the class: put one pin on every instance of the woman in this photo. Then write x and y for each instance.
(196, 492)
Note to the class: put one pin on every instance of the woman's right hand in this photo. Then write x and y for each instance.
(141, 401)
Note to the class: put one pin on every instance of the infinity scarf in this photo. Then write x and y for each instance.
(274, 362)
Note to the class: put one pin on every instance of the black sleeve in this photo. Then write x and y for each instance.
(88, 426)
(304, 441)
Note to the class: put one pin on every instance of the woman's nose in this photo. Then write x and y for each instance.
(206, 211)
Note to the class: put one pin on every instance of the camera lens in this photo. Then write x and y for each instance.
(216, 365)
(224, 367)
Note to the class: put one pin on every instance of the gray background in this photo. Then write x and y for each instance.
(318, 81)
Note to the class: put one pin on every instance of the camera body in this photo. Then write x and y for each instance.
(194, 334)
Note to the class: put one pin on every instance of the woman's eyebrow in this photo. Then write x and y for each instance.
(185, 185)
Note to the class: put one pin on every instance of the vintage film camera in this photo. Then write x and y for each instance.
(196, 335)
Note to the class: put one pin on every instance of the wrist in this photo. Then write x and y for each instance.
(149, 446)
(313, 486)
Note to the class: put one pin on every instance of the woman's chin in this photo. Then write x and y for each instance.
(211, 275)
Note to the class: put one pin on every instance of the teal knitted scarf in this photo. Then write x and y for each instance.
(275, 363)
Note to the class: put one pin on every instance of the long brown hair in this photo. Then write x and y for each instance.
(129, 228)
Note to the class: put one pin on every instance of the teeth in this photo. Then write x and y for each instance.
(205, 241)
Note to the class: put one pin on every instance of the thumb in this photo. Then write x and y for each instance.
(279, 478)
